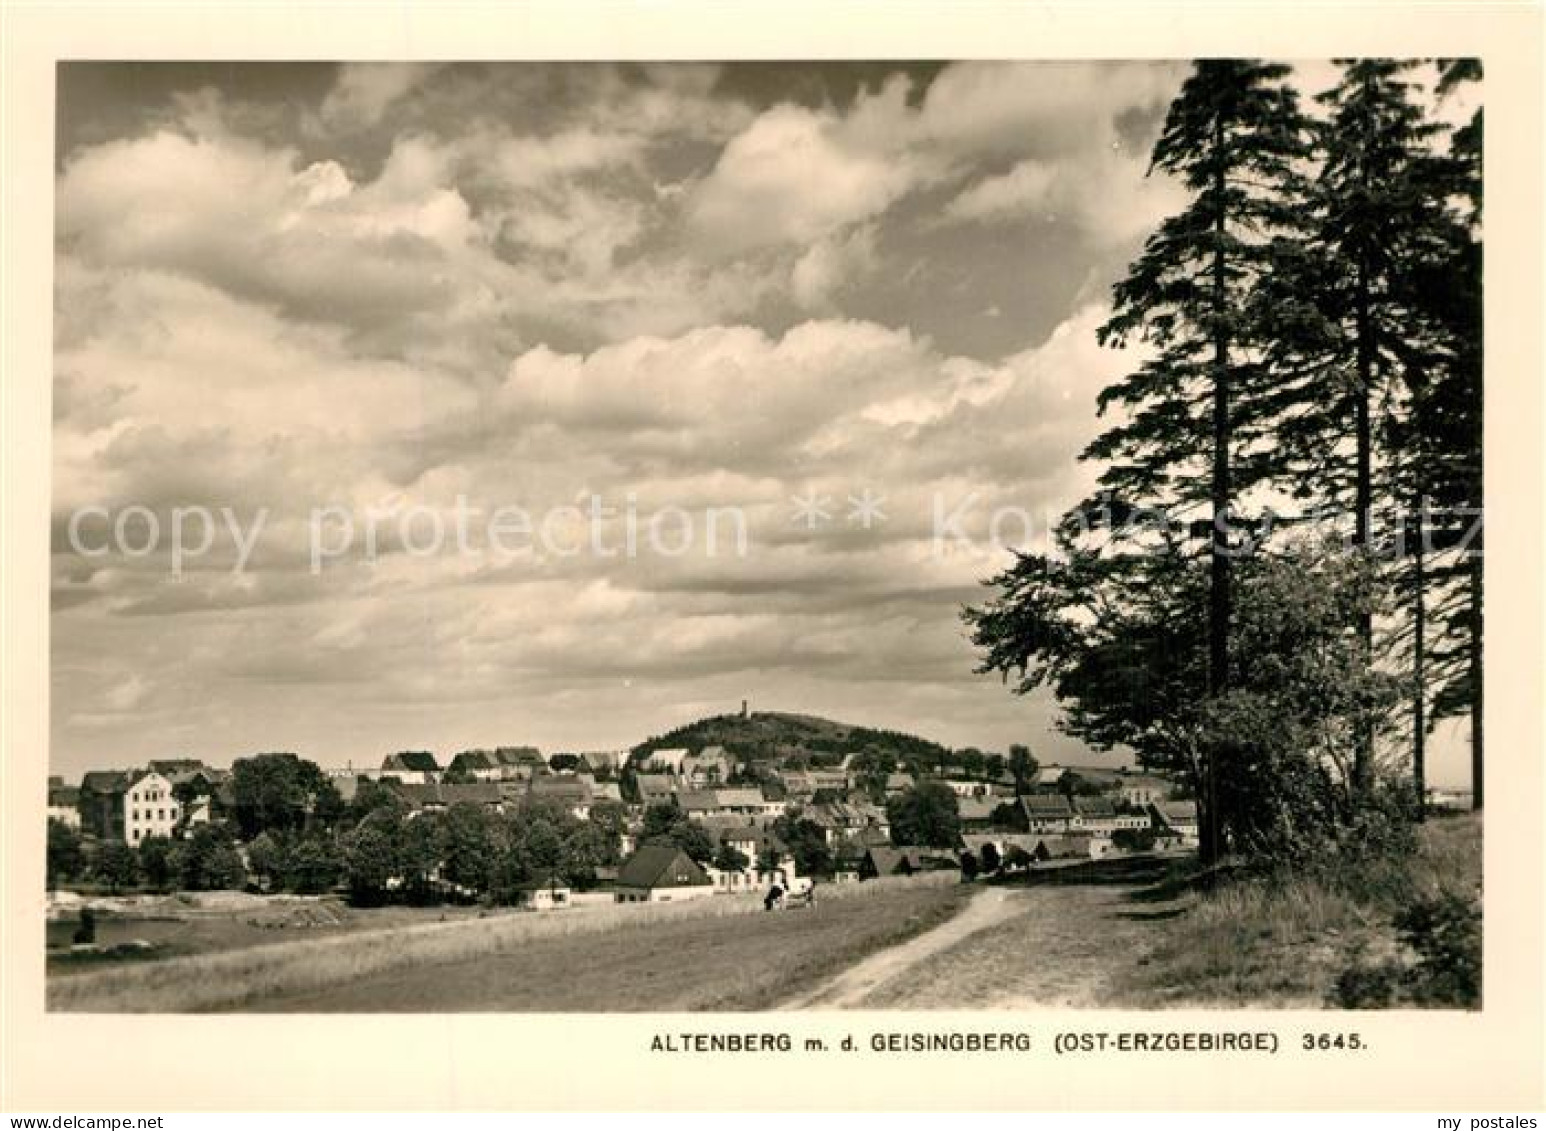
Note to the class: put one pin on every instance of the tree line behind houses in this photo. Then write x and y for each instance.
(278, 822)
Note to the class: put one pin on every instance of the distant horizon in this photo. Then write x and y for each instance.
(1091, 758)
(1078, 755)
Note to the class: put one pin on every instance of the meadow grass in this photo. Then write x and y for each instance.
(230, 979)
(1282, 939)
(724, 963)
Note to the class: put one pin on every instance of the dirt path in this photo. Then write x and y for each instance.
(1066, 943)
(987, 909)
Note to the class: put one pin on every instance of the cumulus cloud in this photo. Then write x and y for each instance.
(795, 175)
(364, 91)
(460, 286)
(838, 261)
(1133, 201)
(1044, 111)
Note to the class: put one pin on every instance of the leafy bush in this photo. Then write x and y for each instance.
(1442, 966)
(314, 866)
(208, 861)
(1368, 985)
(117, 865)
(65, 857)
(1446, 933)
(155, 858)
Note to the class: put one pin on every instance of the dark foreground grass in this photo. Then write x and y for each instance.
(746, 962)
(1282, 941)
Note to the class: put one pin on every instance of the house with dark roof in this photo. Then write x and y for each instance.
(903, 860)
(1178, 818)
(565, 790)
(127, 805)
(547, 892)
(661, 873)
(699, 804)
(978, 812)
(171, 768)
(1143, 789)
(484, 793)
(843, 821)
(479, 765)
(1068, 846)
(101, 803)
(1105, 777)
(806, 784)
(747, 801)
(656, 788)
(758, 844)
(518, 763)
(752, 840)
(1045, 813)
(606, 791)
(443, 795)
(411, 767)
(603, 761)
(417, 795)
(1100, 816)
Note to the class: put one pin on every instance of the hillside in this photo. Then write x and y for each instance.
(775, 736)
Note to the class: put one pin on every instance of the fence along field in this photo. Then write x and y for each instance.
(237, 978)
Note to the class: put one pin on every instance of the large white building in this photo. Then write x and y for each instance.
(149, 809)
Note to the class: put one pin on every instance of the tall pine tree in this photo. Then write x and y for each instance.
(1352, 402)
(1193, 439)
(1451, 431)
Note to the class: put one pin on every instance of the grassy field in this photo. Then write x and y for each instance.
(718, 953)
(1142, 933)
(182, 935)
(1284, 943)
(1138, 933)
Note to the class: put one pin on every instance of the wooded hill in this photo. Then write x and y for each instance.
(777, 737)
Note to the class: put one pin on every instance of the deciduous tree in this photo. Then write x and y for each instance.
(928, 814)
(64, 853)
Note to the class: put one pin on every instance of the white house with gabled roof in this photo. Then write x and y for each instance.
(149, 809)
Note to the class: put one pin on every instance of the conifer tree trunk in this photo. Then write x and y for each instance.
(1363, 755)
(1218, 582)
(1419, 661)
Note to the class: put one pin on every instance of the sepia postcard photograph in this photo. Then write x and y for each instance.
(811, 535)
(796, 535)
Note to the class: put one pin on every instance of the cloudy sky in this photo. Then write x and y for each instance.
(284, 288)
